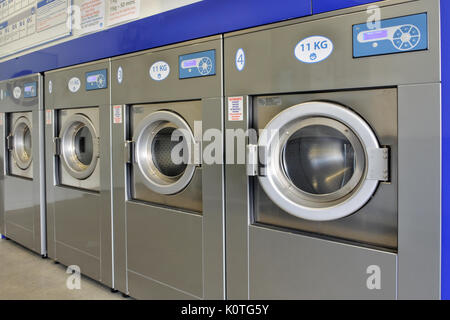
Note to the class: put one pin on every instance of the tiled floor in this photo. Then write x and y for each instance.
(25, 275)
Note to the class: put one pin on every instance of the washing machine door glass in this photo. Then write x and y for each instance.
(79, 146)
(22, 143)
(317, 161)
(164, 149)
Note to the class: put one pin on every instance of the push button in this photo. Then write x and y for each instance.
(414, 40)
(406, 29)
(398, 34)
(414, 31)
(398, 43)
(406, 46)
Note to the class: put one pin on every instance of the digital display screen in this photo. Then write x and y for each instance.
(30, 90)
(190, 63)
(92, 78)
(375, 35)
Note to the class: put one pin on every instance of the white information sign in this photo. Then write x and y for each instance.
(28, 23)
(92, 15)
(123, 10)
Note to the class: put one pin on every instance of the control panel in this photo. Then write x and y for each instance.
(397, 35)
(19, 91)
(30, 90)
(96, 80)
(200, 64)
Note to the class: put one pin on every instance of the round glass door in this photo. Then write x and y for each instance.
(317, 161)
(79, 146)
(22, 142)
(164, 143)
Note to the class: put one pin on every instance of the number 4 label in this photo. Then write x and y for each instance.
(240, 59)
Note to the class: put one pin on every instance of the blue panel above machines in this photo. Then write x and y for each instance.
(320, 6)
(396, 35)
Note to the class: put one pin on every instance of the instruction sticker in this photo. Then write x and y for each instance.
(48, 117)
(117, 114)
(236, 109)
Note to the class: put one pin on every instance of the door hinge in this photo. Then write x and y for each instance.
(129, 151)
(378, 164)
(10, 142)
(57, 146)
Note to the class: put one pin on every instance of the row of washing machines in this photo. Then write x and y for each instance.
(337, 198)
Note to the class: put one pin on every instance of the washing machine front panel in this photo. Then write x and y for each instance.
(19, 144)
(78, 159)
(22, 209)
(158, 130)
(78, 148)
(318, 179)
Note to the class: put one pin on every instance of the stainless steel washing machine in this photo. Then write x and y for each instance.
(79, 216)
(339, 193)
(168, 203)
(22, 161)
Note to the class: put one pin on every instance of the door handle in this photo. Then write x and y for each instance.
(10, 142)
(57, 146)
(129, 151)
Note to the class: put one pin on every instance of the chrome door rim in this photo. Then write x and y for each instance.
(144, 135)
(70, 161)
(285, 194)
(18, 133)
(349, 187)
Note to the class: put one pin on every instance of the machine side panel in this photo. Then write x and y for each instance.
(419, 238)
(237, 210)
(50, 180)
(213, 204)
(445, 74)
(119, 174)
(106, 241)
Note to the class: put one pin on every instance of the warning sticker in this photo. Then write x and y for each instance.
(117, 114)
(48, 117)
(236, 109)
